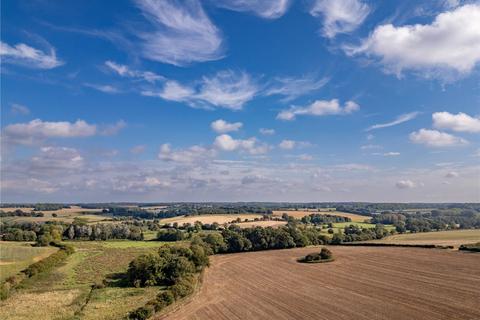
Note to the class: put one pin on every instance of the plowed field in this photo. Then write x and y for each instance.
(362, 283)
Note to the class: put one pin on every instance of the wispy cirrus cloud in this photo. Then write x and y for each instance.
(339, 16)
(105, 88)
(400, 119)
(125, 71)
(27, 56)
(179, 33)
(268, 9)
(226, 89)
(319, 108)
(291, 88)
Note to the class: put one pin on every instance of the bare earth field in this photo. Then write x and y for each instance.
(453, 238)
(362, 283)
(65, 215)
(302, 213)
(210, 218)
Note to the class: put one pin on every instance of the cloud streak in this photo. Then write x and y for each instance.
(399, 120)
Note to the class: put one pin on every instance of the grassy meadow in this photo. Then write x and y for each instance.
(63, 293)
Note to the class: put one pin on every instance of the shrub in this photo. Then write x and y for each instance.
(325, 254)
(183, 287)
(142, 313)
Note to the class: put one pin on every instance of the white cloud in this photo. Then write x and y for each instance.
(267, 132)
(387, 154)
(56, 158)
(112, 129)
(179, 33)
(291, 88)
(268, 9)
(400, 119)
(287, 144)
(451, 43)
(19, 109)
(226, 143)
(340, 16)
(459, 122)
(290, 144)
(226, 89)
(434, 138)
(28, 133)
(125, 71)
(27, 56)
(190, 155)
(451, 174)
(405, 184)
(222, 126)
(319, 108)
(105, 88)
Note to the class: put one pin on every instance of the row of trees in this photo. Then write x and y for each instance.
(320, 219)
(20, 213)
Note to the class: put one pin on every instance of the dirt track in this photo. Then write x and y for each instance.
(362, 283)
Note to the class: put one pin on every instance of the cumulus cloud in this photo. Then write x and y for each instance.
(451, 43)
(53, 158)
(18, 109)
(27, 56)
(290, 144)
(28, 133)
(400, 119)
(125, 71)
(225, 142)
(291, 88)
(222, 126)
(226, 89)
(267, 131)
(268, 9)
(179, 33)
(112, 129)
(340, 16)
(459, 122)
(405, 184)
(319, 108)
(190, 155)
(434, 138)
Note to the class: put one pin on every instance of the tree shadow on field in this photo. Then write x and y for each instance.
(116, 280)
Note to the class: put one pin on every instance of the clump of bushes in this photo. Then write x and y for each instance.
(324, 255)
(172, 266)
(474, 247)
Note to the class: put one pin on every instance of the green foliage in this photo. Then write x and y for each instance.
(474, 247)
(171, 235)
(324, 255)
(183, 287)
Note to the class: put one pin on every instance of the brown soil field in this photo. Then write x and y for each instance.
(66, 215)
(300, 214)
(362, 283)
(210, 218)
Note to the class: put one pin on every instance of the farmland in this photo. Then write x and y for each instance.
(65, 215)
(453, 237)
(362, 283)
(62, 293)
(302, 213)
(16, 256)
(211, 218)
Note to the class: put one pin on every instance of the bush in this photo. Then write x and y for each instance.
(142, 313)
(49, 262)
(326, 254)
(183, 287)
(475, 247)
(164, 299)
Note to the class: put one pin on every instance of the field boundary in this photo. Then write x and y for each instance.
(370, 244)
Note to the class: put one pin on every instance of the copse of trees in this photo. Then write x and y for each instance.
(324, 255)
(103, 231)
(172, 266)
(319, 219)
(171, 235)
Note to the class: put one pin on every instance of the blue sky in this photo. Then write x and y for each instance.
(235, 100)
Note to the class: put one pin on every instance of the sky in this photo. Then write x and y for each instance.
(235, 100)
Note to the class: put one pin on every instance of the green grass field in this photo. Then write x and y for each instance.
(16, 256)
(62, 293)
